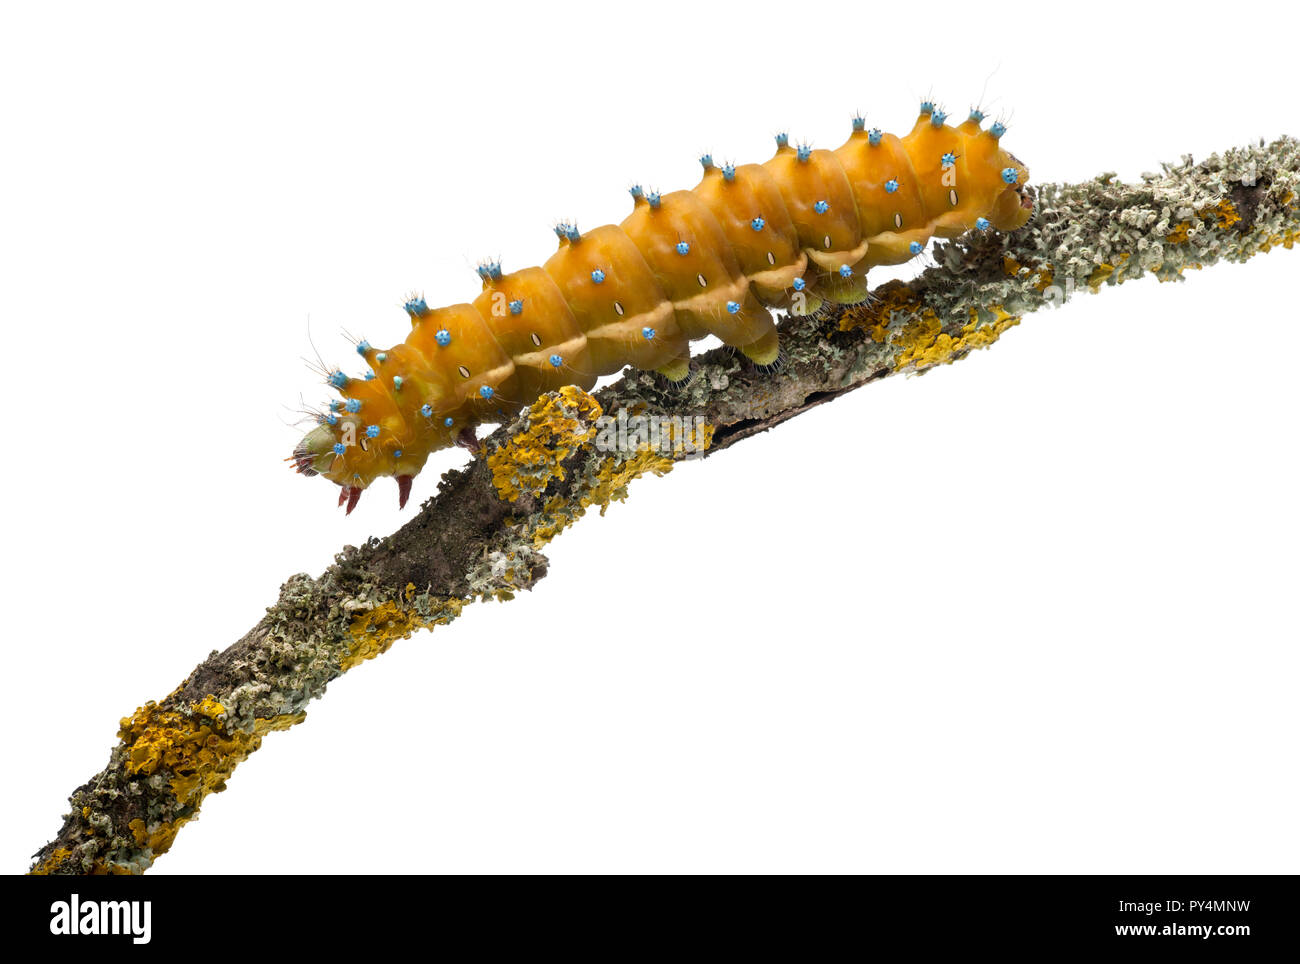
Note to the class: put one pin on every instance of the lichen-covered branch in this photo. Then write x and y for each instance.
(482, 535)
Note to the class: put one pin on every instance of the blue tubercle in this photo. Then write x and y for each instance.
(998, 129)
(336, 405)
(683, 248)
(728, 172)
(397, 453)
(757, 224)
(416, 306)
(339, 448)
(363, 346)
(654, 199)
(449, 421)
(798, 284)
(916, 247)
(370, 376)
(490, 271)
(636, 192)
(353, 406)
(891, 186)
(648, 333)
(331, 419)
(927, 107)
(804, 152)
(937, 118)
(338, 379)
(977, 115)
(556, 361)
(486, 391)
(982, 223)
(948, 160)
(572, 233)
(874, 136)
(372, 431)
(859, 122)
(733, 307)
(706, 161)
(381, 357)
(597, 276)
(516, 306)
(1009, 175)
(397, 383)
(426, 410)
(821, 207)
(846, 271)
(782, 139)
(443, 337)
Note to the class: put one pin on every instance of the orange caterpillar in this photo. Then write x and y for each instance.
(797, 230)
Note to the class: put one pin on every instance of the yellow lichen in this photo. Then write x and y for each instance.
(613, 475)
(1104, 270)
(193, 745)
(158, 837)
(916, 336)
(874, 315)
(157, 737)
(52, 862)
(558, 425)
(375, 631)
(685, 439)
(924, 344)
(1224, 213)
(611, 478)
(1287, 241)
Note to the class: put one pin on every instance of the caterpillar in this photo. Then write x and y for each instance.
(791, 234)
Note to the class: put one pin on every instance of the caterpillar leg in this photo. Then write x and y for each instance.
(676, 370)
(773, 368)
(846, 289)
(805, 302)
(765, 351)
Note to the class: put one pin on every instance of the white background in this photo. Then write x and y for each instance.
(1033, 612)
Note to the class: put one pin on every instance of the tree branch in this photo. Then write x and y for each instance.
(481, 536)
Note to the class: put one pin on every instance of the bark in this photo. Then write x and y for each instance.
(481, 536)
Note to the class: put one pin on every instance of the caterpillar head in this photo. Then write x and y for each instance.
(368, 435)
(353, 454)
(419, 396)
(1013, 206)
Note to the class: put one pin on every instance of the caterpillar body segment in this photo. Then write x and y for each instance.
(801, 228)
(772, 257)
(614, 296)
